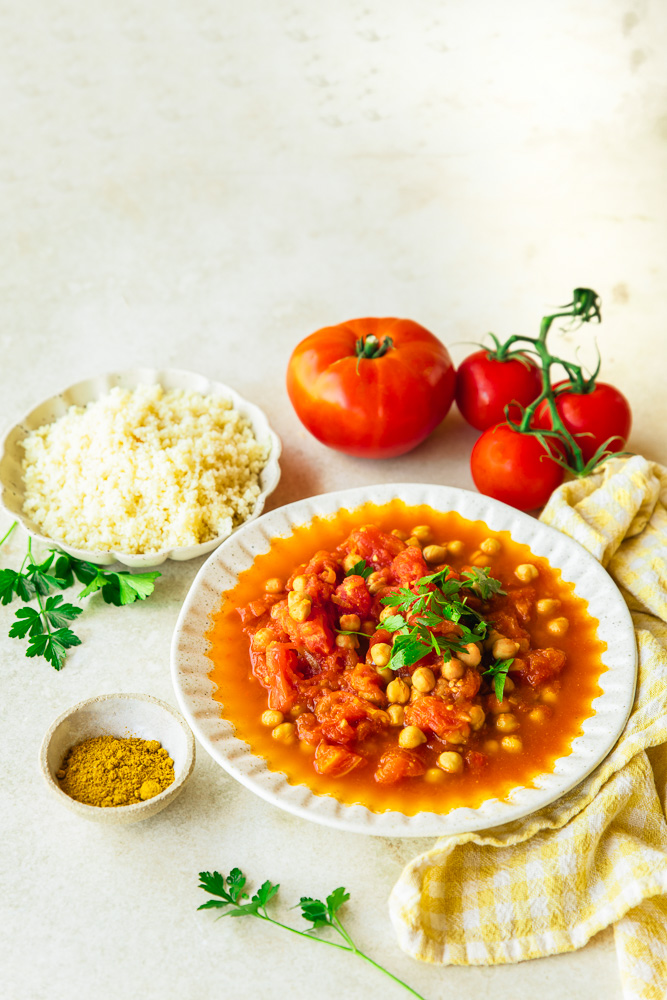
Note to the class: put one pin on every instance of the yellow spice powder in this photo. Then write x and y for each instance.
(115, 771)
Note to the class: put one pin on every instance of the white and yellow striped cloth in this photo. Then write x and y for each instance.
(598, 856)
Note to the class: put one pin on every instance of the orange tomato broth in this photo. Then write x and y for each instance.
(244, 699)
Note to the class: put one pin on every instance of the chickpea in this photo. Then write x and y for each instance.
(453, 669)
(472, 655)
(396, 715)
(368, 627)
(512, 744)
(298, 710)
(451, 762)
(507, 723)
(299, 606)
(497, 707)
(422, 533)
(380, 654)
(491, 746)
(375, 582)
(351, 623)
(262, 638)
(386, 673)
(558, 626)
(399, 534)
(347, 641)
(285, 733)
(491, 546)
(547, 606)
(492, 635)
(423, 680)
(455, 547)
(478, 559)
(539, 714)
(434, 553)
(509, 685)
(549, 696)
(387, 613)
(413, 542)
(526, 572)
(434, 776)
(274, 585)
(504, 648)
(477, 717)
(328, 574)
(414, 694)
(272, 718)
(350, 561)
(411, 737)
(299, 584)
(398, 691)
(459, 735)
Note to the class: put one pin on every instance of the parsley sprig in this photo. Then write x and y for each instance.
(46, 627)
(497, 673)
(439, 598)
(360, 568)
(230, 895)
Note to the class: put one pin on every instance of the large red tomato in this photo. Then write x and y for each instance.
(371, 387)
(591, 417)
(485, 386)
(514, 468)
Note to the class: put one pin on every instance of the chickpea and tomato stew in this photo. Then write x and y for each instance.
(406, 662)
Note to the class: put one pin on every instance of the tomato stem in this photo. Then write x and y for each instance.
(371, 347)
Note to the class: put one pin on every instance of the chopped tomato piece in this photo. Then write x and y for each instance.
(352, 597)
(397, 763)
(523, 600)
(374, 546)
(476, 761)
(336, 761)
(539, 665)
(315, 634)
(409, 566)
(432, 714)
(281, 662)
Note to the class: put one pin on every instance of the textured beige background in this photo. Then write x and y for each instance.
(202, 184)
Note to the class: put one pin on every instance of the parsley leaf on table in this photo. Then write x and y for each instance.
(47, 626)
(229, 893)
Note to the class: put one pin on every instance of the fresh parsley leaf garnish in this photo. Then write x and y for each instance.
(229, 895)
(481, 581)
(440, 597)
(497, 672)
(360, 568)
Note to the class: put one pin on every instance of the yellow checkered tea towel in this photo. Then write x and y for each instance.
(546, 883)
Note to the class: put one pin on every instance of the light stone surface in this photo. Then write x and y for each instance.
(201, 184)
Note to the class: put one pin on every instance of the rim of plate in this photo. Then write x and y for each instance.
(194, 690)
(12, 489)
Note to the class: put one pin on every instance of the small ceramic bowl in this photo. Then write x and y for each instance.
(12, 490)
(120, 715)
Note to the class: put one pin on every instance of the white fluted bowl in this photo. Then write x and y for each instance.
(194, 690)
(12, 488)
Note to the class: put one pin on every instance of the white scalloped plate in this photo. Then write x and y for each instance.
(11, 457)
(194, 689)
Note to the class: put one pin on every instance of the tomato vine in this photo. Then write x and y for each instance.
(584, 308)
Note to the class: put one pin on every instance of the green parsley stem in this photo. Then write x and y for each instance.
(349, 947)
(303, 934)
(8, 533)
